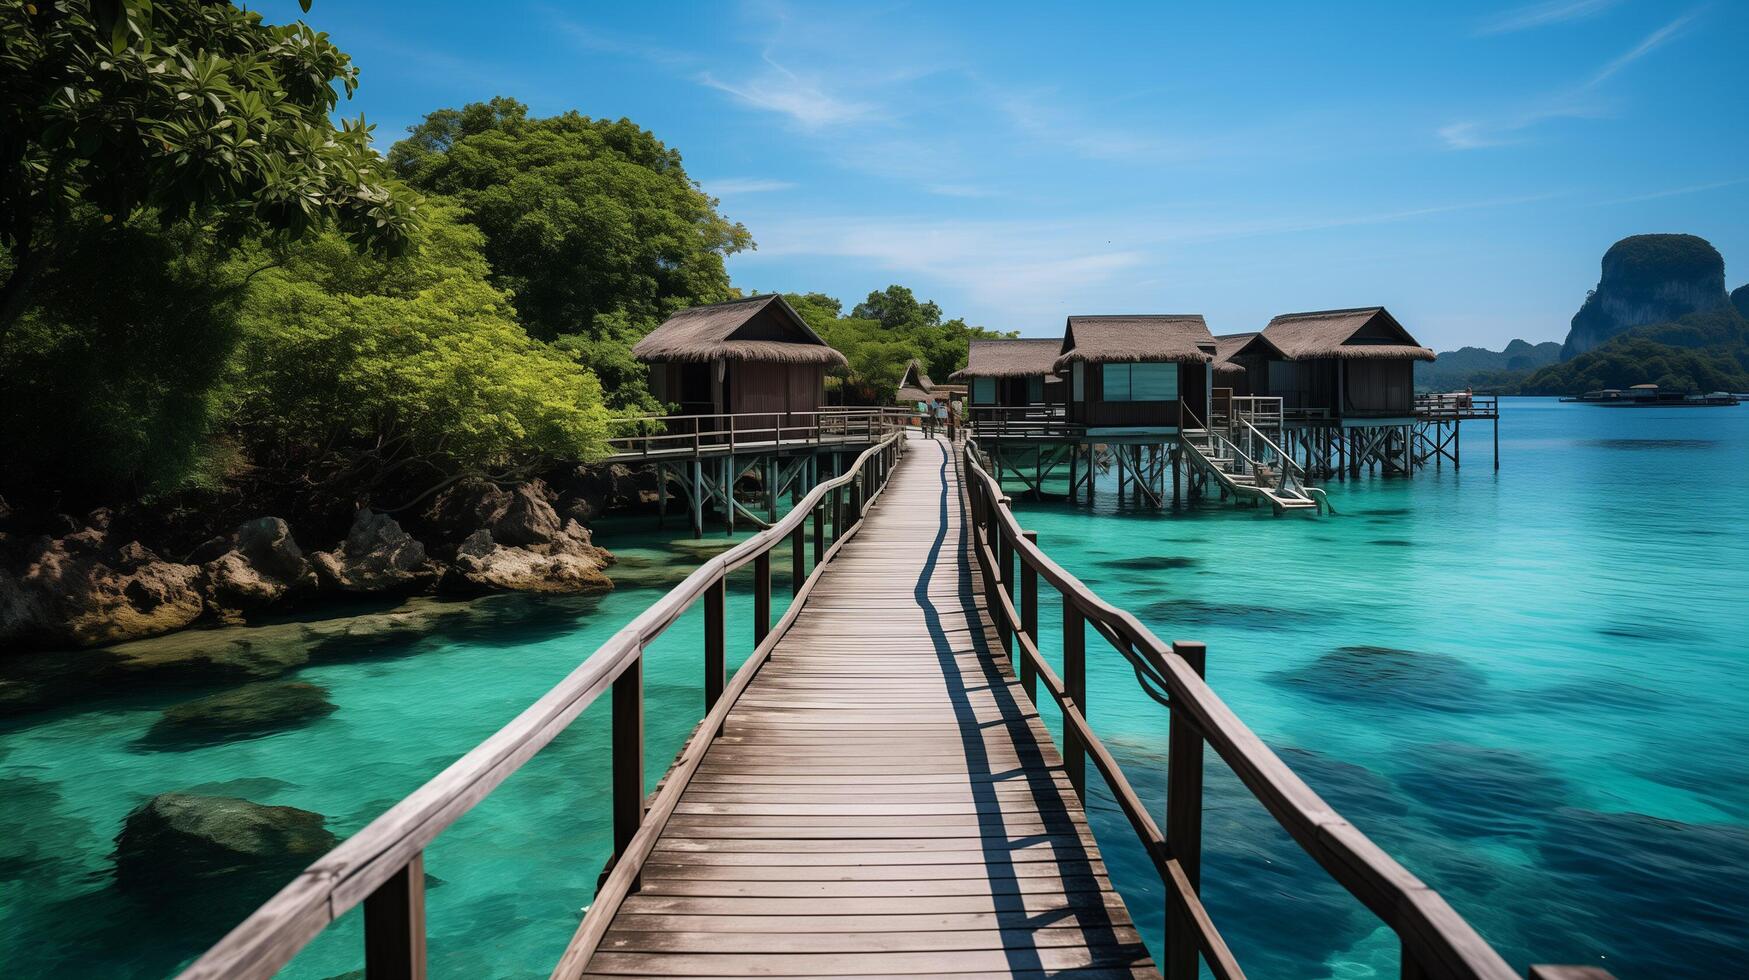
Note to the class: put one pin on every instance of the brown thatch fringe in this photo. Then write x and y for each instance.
(1334, 334)
(1007, 359)
(709, 333)
(1160, 338)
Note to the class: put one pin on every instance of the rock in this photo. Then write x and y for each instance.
(209, 549)
(377, 556)
(567, 563)
(1739, 299)
(252, 708)
(1648, 279)
(527, 518)
(76, 591)
(262, 569)
(467, 506)
(580, 510)
(188, 853)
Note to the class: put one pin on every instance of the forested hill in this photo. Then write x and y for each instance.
(1483, 369)
(1700, 352)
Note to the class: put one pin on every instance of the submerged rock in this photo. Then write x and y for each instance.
(377, 556)
(250, 709)
(1474, 791)
(189, 853)
(1387, 677)
(1148, 563)
(78, 591)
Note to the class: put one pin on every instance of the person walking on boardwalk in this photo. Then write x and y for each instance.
(937, 415)
(927, 417)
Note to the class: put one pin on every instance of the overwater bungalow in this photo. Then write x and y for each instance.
(916, 386)
(1336, 364)
(754, 355)
(1008, 373)
(1136, 374)
(1346, 383)
(1228, 373)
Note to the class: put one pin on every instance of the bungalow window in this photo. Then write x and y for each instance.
(1035, 389)
(1078, 380)
(983, 391)
(1141, 382)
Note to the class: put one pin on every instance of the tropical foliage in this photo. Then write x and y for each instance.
(883, 334)
(196, 111)
(356, 372)
(591, 225)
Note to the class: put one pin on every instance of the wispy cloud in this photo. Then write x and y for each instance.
(780, 90)
(730, 186)
(1675, 191)
(1037, 117)
(1578, 102)
(1542, 15)
(595, 39)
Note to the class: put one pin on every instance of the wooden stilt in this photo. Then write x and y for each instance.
(698, 498)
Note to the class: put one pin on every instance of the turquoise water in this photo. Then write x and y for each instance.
(1529, 686)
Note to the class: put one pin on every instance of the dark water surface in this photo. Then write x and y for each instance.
(1529, 686)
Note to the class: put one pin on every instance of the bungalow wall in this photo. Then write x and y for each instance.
(1378, 388)
(1369, 387)
(1139, 396)
(1015, 391)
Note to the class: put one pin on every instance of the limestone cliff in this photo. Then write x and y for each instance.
(1648, 279)
(1740, 299)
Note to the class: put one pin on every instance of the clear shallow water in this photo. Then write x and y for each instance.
(1529, 686)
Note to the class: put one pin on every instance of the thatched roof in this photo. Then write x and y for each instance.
(1173, 337)
(759, 328)
(908, 395)
(1007, 359)
(1226, 345)
(915, 378)
(1366, 333)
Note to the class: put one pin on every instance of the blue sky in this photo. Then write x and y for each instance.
(1464, 165)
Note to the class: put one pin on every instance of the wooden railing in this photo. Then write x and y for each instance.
(1436, 941)
(733, 432)
(1013, 421)
(382, 865)
(1456, 405)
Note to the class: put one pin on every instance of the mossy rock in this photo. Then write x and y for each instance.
(703, 548)
(214, 856)
(247, 710)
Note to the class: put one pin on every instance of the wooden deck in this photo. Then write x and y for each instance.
(882, 799)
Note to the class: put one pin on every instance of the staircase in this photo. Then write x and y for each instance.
(1280, 481)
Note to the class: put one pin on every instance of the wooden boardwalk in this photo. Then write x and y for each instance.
(883, 799)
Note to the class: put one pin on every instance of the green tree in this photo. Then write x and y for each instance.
(110, 377)
(882, 334)
(591, 225)
(371, 378)
(195, 111)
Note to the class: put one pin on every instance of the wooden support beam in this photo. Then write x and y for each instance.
(394, 925)
(1184, 824)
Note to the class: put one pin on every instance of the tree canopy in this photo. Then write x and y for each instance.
(403, 371)
(196, 111)
(1700, 352)
(885, 332)
(583, 217)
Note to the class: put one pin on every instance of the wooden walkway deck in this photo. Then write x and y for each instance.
(883, 799)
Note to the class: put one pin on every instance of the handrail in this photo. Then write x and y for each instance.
(1436, 941)
(383, 864)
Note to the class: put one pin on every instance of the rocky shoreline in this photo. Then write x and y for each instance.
(69, 584)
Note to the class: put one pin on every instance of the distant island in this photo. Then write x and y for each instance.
(1659, 314)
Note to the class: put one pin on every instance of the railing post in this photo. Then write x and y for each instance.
(1004, 576)
(394, 925)
(1029, 617)
(819, 531)
(1184, 824)
(837, 514)
(761, 597)
(1075, 687)
(628, 754)
(713, 644)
